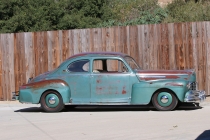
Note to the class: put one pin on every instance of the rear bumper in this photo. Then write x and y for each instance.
(195, 96)
(15, 96)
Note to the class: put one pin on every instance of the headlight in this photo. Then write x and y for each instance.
(192, 85)
(189, 85)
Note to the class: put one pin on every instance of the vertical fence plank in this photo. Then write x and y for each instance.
(194, 44)
(155, 46)
(184, 45)
(65, 52)
(145, 45)
(29, 55)
(133, 41)
(152, 53)
(121, 39)
(127, 45)
(42, 52)
(117, 39)
(75, 41)
(56, 51)
(207, 87)
(59, 47)
(190, 45)
(85, 40)
(8, 77)
(178, 46)
(164, 47)
(97, 39)
(20, 69)
(11, 66)
(1, 66)
(172, 61)
(159, 58)
(140, 46)
(107, 39)
(4, 68)
(199, 49)
(50, 49)
(70, 45)
(203, 55)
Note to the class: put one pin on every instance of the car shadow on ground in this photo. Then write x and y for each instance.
(204, 136)
(111, 108)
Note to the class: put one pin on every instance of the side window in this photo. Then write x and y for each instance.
(79, 66)
(109, 66)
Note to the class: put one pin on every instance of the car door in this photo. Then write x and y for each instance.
(110, 82)
(78, 78)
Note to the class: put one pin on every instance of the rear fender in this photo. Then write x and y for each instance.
(32, 92)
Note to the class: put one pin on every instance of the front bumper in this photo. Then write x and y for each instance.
(195, 96)
(15, 96)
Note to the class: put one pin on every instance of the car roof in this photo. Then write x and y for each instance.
(98, 54)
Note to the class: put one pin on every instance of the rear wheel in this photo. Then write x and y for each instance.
(164, 100)
(51, 101)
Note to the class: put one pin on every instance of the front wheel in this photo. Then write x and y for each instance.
(51, 101)
(164, 100)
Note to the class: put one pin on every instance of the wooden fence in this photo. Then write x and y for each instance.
(158, 46)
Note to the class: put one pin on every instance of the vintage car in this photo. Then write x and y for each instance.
(109, 78)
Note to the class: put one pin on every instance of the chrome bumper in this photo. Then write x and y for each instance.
(14, 96)
(195, 96)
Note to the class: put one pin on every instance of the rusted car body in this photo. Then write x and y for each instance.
(109, 78)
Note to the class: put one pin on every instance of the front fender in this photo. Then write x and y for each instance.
(142, 92)
(32, 92)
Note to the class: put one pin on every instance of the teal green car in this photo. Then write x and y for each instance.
(109, 78)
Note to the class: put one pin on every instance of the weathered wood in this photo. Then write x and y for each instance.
(199, 49)
(29, 55)
(145, 40)
(189, 45)
(194, 47)
(133, 41)
(4, 68)
(172, 60)
(207, 87)
(1, 65)
(140, 46)
(56, 51)
(158, 46)
(10, 70)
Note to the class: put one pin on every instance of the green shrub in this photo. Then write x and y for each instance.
(189, 11)
(133, 12)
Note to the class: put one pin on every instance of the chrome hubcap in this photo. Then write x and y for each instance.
(51, 100)
(164, 99)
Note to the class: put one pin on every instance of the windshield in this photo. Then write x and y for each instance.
(131, 62)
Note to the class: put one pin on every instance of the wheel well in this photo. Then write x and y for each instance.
(164, 89)
(46, 91)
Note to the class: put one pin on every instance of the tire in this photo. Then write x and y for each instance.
(168, 102)
(56, 103)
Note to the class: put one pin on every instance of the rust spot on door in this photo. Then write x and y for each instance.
(124, 91)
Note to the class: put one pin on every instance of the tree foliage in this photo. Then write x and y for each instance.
(188, 11)
(133, 12)
(45, 15)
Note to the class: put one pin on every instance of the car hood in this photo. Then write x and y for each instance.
(148, 75)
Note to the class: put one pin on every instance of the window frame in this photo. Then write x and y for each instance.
(88, 61)
(107, 58)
